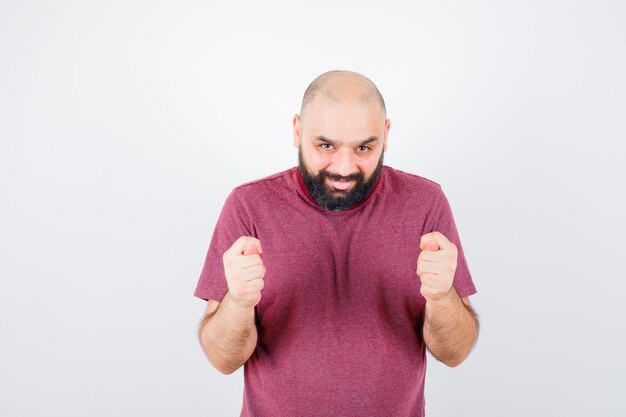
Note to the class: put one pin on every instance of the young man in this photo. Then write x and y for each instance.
(329, 280)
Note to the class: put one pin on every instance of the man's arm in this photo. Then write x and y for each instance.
(450, 325)
(450, 328)
(227, 334)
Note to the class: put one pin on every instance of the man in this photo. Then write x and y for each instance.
(329, 280)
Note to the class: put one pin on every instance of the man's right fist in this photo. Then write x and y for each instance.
(244, 271)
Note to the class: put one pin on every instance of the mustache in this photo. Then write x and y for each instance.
(357, 176)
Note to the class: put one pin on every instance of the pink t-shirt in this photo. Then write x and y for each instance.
(340, 316)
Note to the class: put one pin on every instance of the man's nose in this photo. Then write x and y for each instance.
(344, 163)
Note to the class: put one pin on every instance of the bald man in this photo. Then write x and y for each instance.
(328, 281)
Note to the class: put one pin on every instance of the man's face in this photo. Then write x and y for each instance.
(340, 150)
(335, 197)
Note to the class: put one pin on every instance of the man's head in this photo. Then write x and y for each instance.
(341, 136)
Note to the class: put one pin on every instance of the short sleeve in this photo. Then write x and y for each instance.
(230, 226)
(444, 224)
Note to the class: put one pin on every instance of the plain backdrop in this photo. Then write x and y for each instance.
(125, 124)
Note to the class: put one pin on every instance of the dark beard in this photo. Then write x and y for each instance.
(332, 199)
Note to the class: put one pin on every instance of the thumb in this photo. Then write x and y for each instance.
(432, 245)
(250, 249)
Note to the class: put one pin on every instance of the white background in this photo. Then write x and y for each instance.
(124, 125)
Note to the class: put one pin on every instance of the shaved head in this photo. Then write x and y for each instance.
(341, 136)
(339, 86)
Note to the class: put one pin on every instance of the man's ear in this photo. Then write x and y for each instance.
(297, 130)
(387, 127)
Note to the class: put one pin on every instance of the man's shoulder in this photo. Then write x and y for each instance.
(408, 190)
(411, 181)
(267, 182)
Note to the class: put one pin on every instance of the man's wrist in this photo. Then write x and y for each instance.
(447, 300)
(236, 309)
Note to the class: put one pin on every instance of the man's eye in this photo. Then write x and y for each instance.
(363, 148)
(326, 146)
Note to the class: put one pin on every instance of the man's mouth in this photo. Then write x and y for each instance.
(341, 184)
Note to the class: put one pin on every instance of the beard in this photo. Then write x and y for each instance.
(330, 198)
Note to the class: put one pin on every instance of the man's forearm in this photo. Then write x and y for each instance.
(228, 336)
(450, 329)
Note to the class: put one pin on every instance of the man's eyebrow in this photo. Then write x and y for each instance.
(323, 138)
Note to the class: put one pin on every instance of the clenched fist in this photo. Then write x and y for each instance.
(436, 265)
(244, 271)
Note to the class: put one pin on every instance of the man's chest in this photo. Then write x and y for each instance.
(352, 268)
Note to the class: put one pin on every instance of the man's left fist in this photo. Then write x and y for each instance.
(436, 265)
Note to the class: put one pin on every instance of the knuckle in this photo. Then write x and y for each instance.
(238, 292)
(260, 271)
(251, 239)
